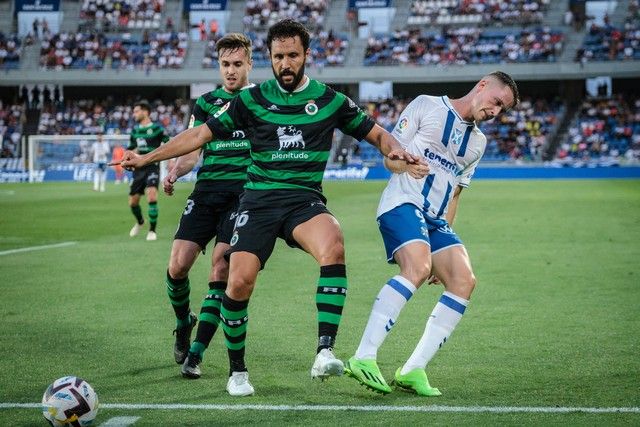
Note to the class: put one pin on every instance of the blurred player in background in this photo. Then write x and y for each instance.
(145, 137)
(116, 158)
(292, 118)
(100, 149)
(414, 217)
(211, 207)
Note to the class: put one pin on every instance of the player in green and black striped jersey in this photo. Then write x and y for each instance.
(292, 119)
(211, 207)
(145, 137)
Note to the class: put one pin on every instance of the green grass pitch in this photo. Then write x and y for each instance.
(554, 321)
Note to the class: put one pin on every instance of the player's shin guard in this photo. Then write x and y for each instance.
(178, 291)
(209, 317)
(234, 317)
(153, 215)
(137, 212)
(444, 318)
(330, 297)
(386, 308)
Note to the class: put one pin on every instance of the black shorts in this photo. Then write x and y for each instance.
(208, 215)
(263, 216)
(147, 176)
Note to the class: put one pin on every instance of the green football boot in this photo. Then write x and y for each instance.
(415, 382)
(367, 373)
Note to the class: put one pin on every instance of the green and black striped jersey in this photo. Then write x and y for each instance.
(147, 138)
(292, 132)
(224, 161)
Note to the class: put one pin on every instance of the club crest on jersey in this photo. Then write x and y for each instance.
(311, 108)
(221, 111)
(290, 137)
(456, 138)
(149, 131)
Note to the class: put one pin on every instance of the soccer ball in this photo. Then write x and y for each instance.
(70, 401)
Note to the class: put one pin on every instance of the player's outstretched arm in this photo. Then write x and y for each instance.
(415, 170)
(183, 165)
(388, 145)
(183, 143)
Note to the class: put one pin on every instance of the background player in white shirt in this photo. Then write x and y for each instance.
(101, 151)
(414, 214)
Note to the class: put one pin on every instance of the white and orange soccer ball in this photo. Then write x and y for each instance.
(70, 401)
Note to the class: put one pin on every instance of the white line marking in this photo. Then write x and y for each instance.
(8, 192)
(119, 421)
(37, 248)
(364, 408)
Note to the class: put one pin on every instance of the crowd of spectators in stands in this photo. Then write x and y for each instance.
(261, 14)
(605, 132)
(327, 49)
(521, 134)
(124, 51)
(612, 43)
(113, 15)
(465, 45)
(84, 117)
(10, 50)
(11, 122)
(491, 12)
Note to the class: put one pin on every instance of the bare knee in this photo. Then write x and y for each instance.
(333, 253)
(178, 269)
(417, 273)
(462, 286)
(240, 289)
(219, 271)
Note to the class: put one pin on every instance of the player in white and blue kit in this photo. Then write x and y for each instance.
(414, 216)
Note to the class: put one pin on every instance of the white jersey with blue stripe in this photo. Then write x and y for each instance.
(452, 147)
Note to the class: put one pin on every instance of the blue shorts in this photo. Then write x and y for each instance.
(406, 224)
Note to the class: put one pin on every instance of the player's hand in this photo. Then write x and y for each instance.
(131, 161)
(400, 154)
(167, 183)
(418, 170)
(433, 280)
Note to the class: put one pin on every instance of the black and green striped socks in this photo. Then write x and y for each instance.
(178, 291)
(153, 216)
(209, 317)
(330, 297)
(137, 212)
(234, 317)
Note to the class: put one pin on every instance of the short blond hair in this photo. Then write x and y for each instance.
(235, 41)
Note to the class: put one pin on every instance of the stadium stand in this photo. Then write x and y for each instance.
(465, 45)
(605, 132)
(11, 120)
(327, 49)
(261, 14)
(114, 15)
(611, 43)
(10, 49)
(84, 117)
(124, 51)
(477, 12)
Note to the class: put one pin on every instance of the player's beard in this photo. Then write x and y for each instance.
(297, 78)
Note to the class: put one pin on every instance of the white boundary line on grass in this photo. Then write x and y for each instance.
(363, 408)
(37, 248)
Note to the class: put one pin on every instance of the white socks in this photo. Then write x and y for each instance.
(443, 320)
(386, 308)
